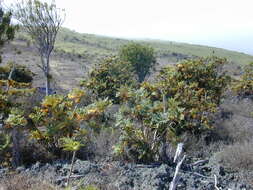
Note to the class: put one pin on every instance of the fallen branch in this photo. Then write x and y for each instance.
(174, 182)
(215, 183)
(178, 152)
(199, 162)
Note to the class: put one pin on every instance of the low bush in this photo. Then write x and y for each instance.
(244, 86)
(13, 116)
(108, 76)
(183, 100)
(60, 116)
(141, 57)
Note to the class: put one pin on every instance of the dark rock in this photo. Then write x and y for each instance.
(125, 176)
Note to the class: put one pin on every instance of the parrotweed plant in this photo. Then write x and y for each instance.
(244, 86)
(71, 145)
(145, 124)
(15, 118)
(59, 116)
(108, 76)
(182, 99)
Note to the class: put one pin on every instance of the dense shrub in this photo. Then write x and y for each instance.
(59, 116)
(145, 125)
(141, 57)
(182, 100)
(107, 77)
(244, 87)
(13, 116)
(198, 86)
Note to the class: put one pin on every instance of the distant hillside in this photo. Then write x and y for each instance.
(76, 53)
(93, 47)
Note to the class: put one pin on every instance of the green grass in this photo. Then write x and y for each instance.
(93, 47)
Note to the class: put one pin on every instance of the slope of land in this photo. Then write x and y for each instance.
(76, 53)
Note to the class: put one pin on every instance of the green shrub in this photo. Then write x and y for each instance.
(141, 57)
(145, 125)
(244, 87)
(107, 77)
(13, 114)
(59, 116)
(198, 86)
(182, 100)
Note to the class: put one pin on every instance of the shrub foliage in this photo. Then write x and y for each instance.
(108, 76)
(182, 100)
(244, 86)
(59, 116)
(141, 57)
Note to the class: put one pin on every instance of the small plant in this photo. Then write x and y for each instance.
(71, 145)
(4, 141)
(15, 122)
(10, 92)
(60, 116)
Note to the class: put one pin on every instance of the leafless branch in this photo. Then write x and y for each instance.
(178, 152)
(174, 182)
(216, 182)
(42, 22)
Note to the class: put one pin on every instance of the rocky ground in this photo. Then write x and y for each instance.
(127, 176)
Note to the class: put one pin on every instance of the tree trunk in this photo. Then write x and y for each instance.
(46, 70)
(16, 156)
(164, 102)
(47, 84)
(71, 167)
(47, 74)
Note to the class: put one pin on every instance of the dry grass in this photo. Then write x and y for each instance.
(238, 156)
(24, 182)
(203, 146)
(102, 143)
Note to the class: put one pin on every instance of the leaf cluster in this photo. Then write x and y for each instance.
(59, 116)
(244, 86)
(145, 125)
(108, 76)
(198, 85)
(182, 99)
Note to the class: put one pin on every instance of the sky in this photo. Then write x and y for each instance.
(220, 23)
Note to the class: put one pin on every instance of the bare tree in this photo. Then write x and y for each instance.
(42, 22)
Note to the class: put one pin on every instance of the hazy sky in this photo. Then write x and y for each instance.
(221, 23)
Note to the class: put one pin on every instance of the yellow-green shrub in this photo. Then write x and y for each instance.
(59, 116)
(198, 86)
(244, 86)
(145, 124)
(182, 99)
(108, 76)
